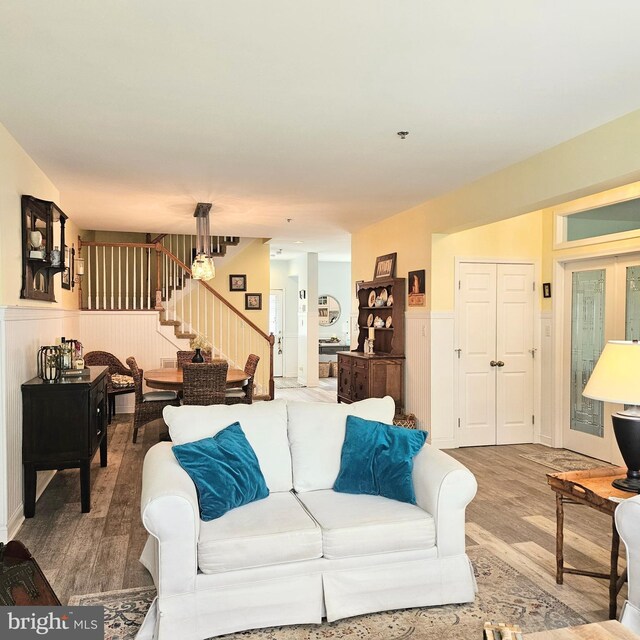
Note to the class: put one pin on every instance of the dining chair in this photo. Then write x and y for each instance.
(185, 357)
(119, 379)
(149, 405)
(204, 383)
(245, 394)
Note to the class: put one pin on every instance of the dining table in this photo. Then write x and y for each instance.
(170, 379)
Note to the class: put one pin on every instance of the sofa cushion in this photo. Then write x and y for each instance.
(357, 525)
(377, 459)
(316, 434)
(264, 424)
(224, 469)
(272, 531)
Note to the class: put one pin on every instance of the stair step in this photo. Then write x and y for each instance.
(170, 323)
(229, 240)
(185, 336)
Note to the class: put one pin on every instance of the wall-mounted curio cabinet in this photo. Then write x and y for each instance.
(43, 245)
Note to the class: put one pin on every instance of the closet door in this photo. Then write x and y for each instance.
(477, 341)
(514, 352)
(495, 334)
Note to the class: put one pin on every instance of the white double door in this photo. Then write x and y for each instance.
(496, 353)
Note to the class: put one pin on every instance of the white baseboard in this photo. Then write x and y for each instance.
(444, 443)
(17, 517)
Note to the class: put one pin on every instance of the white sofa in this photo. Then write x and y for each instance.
(305, 552)
(628, 524)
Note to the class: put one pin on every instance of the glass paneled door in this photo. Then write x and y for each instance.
(602, 299)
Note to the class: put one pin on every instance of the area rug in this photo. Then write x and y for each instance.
(564, 460)
(287, 383)
(505, 595)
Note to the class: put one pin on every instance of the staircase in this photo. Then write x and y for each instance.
(129, 276)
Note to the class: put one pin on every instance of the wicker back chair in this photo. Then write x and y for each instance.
(205, 383)
(185, 357)
(149, 405)
(106, 359)
(244, 395)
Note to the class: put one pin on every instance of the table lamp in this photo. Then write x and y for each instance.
(616, 378)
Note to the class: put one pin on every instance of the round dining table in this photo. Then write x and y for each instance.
(171, 379)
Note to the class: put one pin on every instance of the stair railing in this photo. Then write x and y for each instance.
(130, 276)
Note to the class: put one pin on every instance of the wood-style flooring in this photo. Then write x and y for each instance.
(513, 515)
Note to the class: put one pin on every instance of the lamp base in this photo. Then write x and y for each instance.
(627, 484)
(627, 432)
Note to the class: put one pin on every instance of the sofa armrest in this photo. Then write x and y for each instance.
(444, 487)
(628, 524)
(170, 513)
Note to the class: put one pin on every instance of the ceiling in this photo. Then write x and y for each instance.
(289, 109)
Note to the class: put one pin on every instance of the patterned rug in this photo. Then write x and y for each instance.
(564, 460)
(505, 595)
(287, 383)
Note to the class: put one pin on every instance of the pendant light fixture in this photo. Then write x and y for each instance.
(203, 267)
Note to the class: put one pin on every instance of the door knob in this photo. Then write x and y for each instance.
(499, 363)
(493, 363)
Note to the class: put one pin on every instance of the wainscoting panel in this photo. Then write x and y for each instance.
(133, 333)
(545, 432)
(443, 380)
(23, 330)
(417, 373)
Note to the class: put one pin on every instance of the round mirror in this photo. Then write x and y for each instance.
(328, 310)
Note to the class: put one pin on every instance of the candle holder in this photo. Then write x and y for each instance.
(49, 363)
(368, 346)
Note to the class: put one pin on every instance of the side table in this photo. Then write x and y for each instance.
(593, 489)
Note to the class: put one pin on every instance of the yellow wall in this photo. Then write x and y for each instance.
(517, 238)
(20, 175)
(254, 261)
(597, 160)
(407, 233)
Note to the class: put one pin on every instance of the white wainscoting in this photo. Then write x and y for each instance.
(132, 333)
(23, 330)
(417, 373)
(443, 380)
(544, 431)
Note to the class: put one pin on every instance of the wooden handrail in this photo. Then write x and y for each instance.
(142, 245)
(269, 338)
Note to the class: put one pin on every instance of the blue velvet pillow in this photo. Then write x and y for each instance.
(224, 469)
(377, 459)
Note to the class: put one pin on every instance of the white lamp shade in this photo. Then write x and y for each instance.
(616, 376)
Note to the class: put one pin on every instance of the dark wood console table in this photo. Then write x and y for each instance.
(63, 424)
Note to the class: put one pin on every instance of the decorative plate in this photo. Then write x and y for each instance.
(384, 294)
(369, 319)
(372, 298)
(390, 300)
(388, 322)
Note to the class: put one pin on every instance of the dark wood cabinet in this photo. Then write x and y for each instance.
(380, 374)
(362, 376)
(63, 424)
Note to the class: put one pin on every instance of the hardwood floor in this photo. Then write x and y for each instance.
(326, 391)
(513, 515)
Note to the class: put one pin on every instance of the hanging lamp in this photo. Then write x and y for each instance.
(203, 267)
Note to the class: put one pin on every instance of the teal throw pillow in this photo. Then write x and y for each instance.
(377, 459)
(224, 469)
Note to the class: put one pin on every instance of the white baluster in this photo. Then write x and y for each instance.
(89, 273)
(126, 279)
(133, 280)
(104, 277)
(148, 278)
(112, 269)
(141, 275)
(119, 277)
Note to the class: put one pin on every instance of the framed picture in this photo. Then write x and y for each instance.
(417, 288)
(238, 282)
(252, 301)
(546, 289)
(66, 273)
(385, 266)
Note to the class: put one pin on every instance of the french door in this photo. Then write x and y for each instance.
(602, 302)
(496, 350)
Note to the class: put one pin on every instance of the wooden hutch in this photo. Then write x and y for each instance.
(362, 375)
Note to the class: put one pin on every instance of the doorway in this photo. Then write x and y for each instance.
(601, 303)
(495, 306)
(276, 327)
